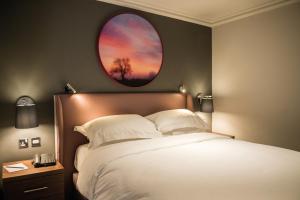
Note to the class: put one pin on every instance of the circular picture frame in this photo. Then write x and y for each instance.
(130, 50)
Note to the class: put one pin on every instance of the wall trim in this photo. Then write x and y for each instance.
(157, 10)
(205, 22)
(253, 11)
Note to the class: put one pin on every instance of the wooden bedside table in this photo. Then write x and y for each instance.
(34, 183)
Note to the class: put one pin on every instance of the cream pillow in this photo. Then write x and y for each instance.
(117, 127)
(177, 121)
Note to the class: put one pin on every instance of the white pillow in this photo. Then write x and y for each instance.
(176, 121)
(117, 127)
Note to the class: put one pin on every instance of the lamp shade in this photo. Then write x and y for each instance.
(206, 104)
(26, 113)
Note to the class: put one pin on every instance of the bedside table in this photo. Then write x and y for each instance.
(34, 183)
(231, 136)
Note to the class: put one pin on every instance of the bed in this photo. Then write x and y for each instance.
(198, 165)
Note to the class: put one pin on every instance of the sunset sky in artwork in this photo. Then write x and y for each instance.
(131, 36)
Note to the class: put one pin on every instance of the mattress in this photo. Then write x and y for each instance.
(190, 166)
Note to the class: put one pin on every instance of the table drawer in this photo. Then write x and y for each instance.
(40, 187)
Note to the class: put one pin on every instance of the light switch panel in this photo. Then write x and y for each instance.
(36, 142)
(23, 143)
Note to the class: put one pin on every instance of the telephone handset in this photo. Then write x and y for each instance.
(44, 160)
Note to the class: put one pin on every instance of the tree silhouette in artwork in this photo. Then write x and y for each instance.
(151, 75)
(121, 66)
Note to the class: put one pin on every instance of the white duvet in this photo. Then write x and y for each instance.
(190, 167)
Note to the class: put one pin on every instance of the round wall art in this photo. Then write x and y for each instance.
(130, 50)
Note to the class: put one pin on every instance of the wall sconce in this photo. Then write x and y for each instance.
(206, 103)
(26, 113)
(70, 89)
(182, 89)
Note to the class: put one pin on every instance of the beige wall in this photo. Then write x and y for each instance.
(256, 77)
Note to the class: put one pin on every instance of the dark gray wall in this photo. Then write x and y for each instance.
(46, 43)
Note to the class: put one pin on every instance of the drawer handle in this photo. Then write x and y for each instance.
(35, 190)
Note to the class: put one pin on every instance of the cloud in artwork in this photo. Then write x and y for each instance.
(131, 36)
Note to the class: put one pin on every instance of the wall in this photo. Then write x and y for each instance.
(255, 77)
(46, 43)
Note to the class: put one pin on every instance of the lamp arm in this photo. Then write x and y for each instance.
(199, 97)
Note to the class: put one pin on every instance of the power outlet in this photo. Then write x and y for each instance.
(36, 142)
(23, 143)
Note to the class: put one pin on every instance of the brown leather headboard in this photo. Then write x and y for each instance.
(71, 110)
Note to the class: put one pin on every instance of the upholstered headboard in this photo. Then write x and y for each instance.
(76, 109)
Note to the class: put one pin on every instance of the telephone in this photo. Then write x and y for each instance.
(43, 160)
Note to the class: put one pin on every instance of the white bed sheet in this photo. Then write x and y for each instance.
(81, 153)
(191, 166)
(75, 177)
